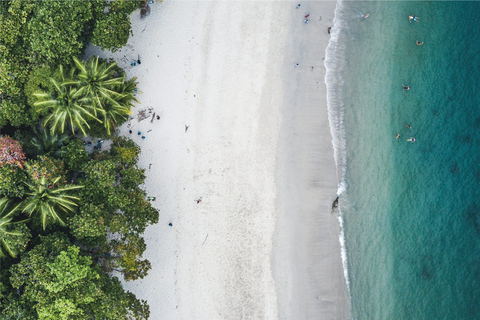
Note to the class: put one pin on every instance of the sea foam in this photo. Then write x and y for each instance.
(335, 62)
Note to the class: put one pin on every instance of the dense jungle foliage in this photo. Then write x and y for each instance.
(69, 219)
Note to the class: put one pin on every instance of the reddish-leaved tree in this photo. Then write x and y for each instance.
(11, 152)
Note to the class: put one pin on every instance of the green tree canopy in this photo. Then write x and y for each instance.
(46, 170)
(74, 155)
(42, 34)
(124, 256)
(60, 283)
(12, 181)
(56, 31)
(112, 27)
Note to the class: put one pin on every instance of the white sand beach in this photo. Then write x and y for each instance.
(245, 130)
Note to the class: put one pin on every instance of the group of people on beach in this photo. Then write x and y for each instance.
(138, 133)
(135, 62)
(405, 87)
(306, 16)
(97, 147)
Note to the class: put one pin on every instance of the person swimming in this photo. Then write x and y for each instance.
(412, 140)
(405, 88)
(419, 43)
(412, 18)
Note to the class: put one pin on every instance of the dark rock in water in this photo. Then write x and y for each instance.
(335, 204)
(426, 274)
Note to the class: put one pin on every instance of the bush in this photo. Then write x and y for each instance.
(74, 155)
(12, 181)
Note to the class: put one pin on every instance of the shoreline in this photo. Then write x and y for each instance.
(307, 263)
(222, 86)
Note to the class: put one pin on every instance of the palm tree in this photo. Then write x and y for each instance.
(93, 91)
(127, 89)
(48, 143)
(68, 105)
(98, 80)
(114, 112)
(47, 201)
(10, 236)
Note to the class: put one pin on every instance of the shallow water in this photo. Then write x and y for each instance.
(411, 211)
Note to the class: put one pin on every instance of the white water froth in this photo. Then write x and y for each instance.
(335, 63)
(343, 251)
(342, 187)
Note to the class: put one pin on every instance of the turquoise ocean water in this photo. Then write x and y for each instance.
(410, 211)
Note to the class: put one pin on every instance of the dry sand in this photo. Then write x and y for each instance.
(246, 131)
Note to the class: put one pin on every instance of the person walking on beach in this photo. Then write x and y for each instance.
(405, 88)
(419, 43)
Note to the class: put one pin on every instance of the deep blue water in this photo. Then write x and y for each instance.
(411, 211)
